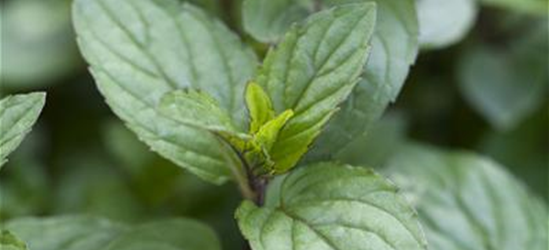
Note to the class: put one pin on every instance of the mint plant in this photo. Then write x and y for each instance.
(211, 114)
(279, 101)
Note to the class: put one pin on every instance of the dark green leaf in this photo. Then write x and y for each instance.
(314, 70)
(334, 207)
(140, 50)
(394, 49)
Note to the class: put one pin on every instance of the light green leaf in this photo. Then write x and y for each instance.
(259, 105)
(394, 48)
(506, 86)
(268, 133)
(8, 241)
(334, 207)
(17, 115)
(261, 146)
(91, 233)
(445, 22)
(312, 71)
(466, 201)
(175, 234)
(537, 7)
(141, 49)
(37, 41)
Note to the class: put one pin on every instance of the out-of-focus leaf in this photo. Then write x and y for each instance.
(394, 49)
(444, 22)
(376, 147)
(466, 201)
(140, 50)
(312, 71)
(505, 86)
(78, 192)
(25, 186)
(37, 42)
(523, 150)
(537, 7)
(329, 206)
(65, 233)
(267, 20)
(17, 115)
(92, 233)
(174, 234)
(8, 241)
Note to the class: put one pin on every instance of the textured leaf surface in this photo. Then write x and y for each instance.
(394, 48)
(445, 22)
(312, 71)
(140, 50)
(469, 202)
(196, 109)
(90, 233)
(331, 206)
(17, 115)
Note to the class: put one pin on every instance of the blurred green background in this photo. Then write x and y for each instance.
(483, 88)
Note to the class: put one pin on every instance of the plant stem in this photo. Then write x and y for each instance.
(239, 170)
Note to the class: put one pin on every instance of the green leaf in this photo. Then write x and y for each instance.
(378, 146)
(17, 115)
(268, 20)
(37, 41)
(8, 241)
(394, 48)
(172, 234)
(268, 133)
(466, 201)
(259, 105)
(261, 146)
(331, 206)
(445, 22)
(506, 86)
(91, 233)
(196, 109)
(312, 71)
(65, 233)
(139, 50)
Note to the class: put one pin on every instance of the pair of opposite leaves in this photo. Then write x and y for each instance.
(198, 109)
(276, 142)
(140, 50)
